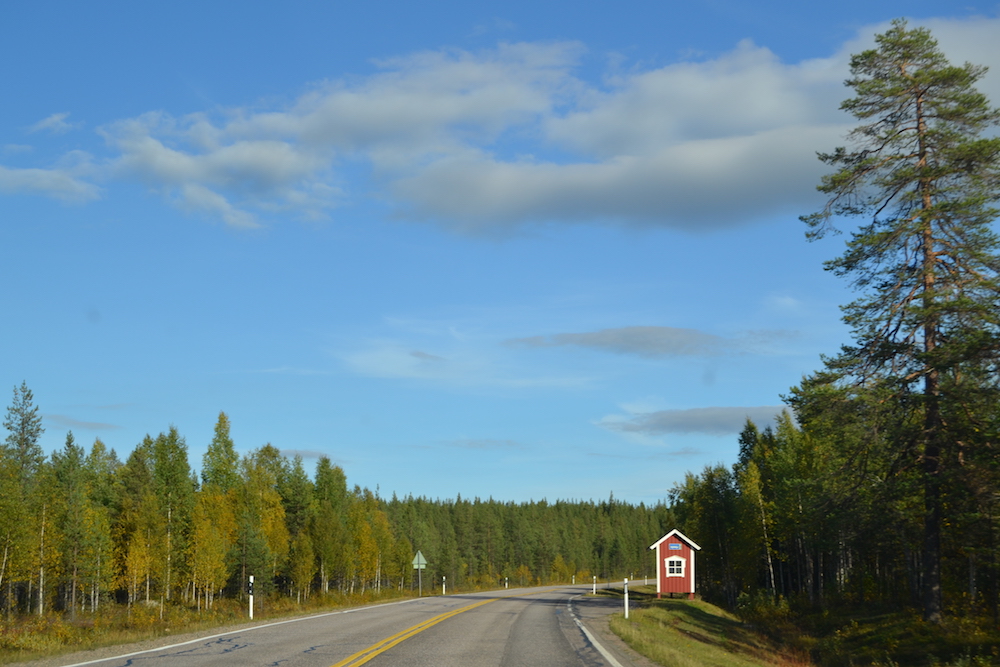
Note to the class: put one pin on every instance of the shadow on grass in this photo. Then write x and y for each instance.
(691, 632)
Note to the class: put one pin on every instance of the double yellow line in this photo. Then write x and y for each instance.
(361, 657)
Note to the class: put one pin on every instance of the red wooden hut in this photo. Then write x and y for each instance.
(675, 554)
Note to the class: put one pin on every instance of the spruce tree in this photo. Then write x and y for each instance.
(220, 464)
(922, 178)
(24, 426)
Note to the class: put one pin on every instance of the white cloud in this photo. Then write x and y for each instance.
(429, 104)
(422, 104)
(692, 145)
(697, 185)
(55, 124)
(709, 421)
(206, 177)
(742, 93)
(489, 141)
(61, 183)
(195, 197)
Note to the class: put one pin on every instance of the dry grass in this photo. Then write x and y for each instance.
(34, 637)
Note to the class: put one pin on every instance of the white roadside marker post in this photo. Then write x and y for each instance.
(626, 598)
(595, 584)
(250, 591)
(444, 585)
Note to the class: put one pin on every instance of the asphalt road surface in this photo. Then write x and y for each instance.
(551, 627)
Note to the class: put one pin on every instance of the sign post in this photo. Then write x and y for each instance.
(419, 563)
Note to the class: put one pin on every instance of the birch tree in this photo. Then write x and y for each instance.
(213, 531)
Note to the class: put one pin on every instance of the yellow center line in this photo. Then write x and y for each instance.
(363, 656)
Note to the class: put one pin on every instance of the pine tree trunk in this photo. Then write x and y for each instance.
(932, 414)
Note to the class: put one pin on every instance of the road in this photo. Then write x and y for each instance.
(514, 628)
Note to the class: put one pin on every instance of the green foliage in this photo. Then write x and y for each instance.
(296, 490)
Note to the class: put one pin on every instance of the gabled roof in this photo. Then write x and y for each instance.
(679, 535)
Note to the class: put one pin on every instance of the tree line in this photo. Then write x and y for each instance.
(82, 528)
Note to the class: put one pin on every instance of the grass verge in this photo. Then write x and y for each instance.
(34, 637)
(683, 633)
(679, 633)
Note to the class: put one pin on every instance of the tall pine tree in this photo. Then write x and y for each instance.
(922, 178)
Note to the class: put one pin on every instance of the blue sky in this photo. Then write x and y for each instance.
(519, 250)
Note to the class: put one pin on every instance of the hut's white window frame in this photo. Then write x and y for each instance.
(674, 566)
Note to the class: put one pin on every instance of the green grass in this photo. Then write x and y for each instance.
(679, 633)
(682, 633)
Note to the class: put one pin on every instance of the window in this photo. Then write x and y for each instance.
(675, 566)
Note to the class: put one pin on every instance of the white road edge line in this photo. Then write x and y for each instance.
(591, 638)
(233, 632)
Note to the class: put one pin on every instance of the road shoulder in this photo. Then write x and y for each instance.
(594, 614)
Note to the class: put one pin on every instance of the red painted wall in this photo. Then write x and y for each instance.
(675, 585)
